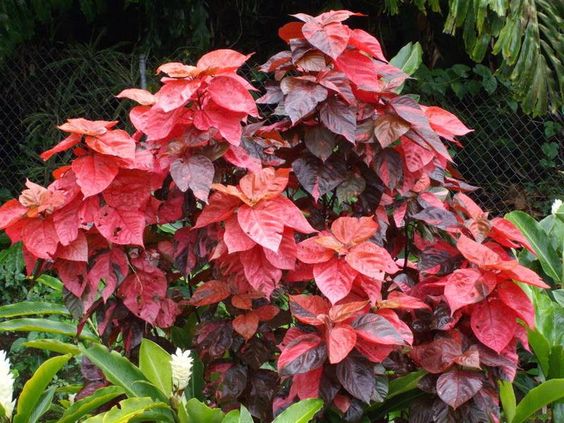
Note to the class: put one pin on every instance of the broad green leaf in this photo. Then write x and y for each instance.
(121, 372)
(128, 410)
(2, 411)
(198, 412)
(81, 408)
(405, 383)
(409, 58)
(51, 282)
(44, 325)
(28, 308)
(538, 397)
(559, 296)
(549, 260)
(43, 406)
(556, 362)
(541, 348)
(507, 397)
(33, 389)
(300, 412)
(154, 362)
(238, 416)
(53, 345)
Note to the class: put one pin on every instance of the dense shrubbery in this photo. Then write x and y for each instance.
(325, 250)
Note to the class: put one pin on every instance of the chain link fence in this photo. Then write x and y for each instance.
(506, 155)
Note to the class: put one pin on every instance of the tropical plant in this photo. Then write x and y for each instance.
(326, 251)
(527, 34)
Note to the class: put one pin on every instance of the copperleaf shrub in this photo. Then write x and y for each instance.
(325, 247)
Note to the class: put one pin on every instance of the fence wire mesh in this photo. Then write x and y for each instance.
(40, 87)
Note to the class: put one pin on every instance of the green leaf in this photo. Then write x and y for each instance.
(198, 412)
(238, 416)
(2, 411)
(53, 345)
(507, 397)
(43, 406)
(405, 383)
(121, 372)
(538, 397)
(84, 406)
(127, 410)
(300, 412)
(559, 296)
(51, 282)
(44, 325)
(409, 58)
(33, 389)
(28, 308)
(541, 348)
(538, 239)
(154, 362)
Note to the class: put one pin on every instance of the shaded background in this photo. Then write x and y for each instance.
(68, 58)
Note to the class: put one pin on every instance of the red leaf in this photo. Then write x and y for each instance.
(334, 278)
(514, 297)
(371, 260)
(143, 290)
(340, 342)
(339, 117)
(246, 324)
(235, 239)
(265, 184)
(87, 127)
(467, 286)
(353, 230)
(196, 173)
(302, 96)
(142, 97)
(401, 327)
(227, 122)
(477, 253)
(40, 238)
(377, 329)
(228, 93)
(94, 173)
(130, 189)
(112, 268)
(77, 250)
(64, 145)
(293, 217)
(306, 385)
(507, 234)
(360, 69)
(153, 122)
(518, 272)
(306, 308)
(438, 355)
(267, 312)
(365, 42)
(301, 355)
(175, 94)
(342, 312)
(10, 212)
(210, 292)
(222, 60)
(445, 123)
(66, 222)
(121, 226)
(415, 156)
(402, 301)
(262, 223)
(388, 128)
(260, 274)
(311, 252)
(116, 143)
(219, 208)
(331, 39)
(290, 31)
(285, 258)
(493, 323)
(458, 386)
(374, 352)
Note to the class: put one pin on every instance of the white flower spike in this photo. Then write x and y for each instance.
(6, 385)
(556, 206)
(181, 363)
